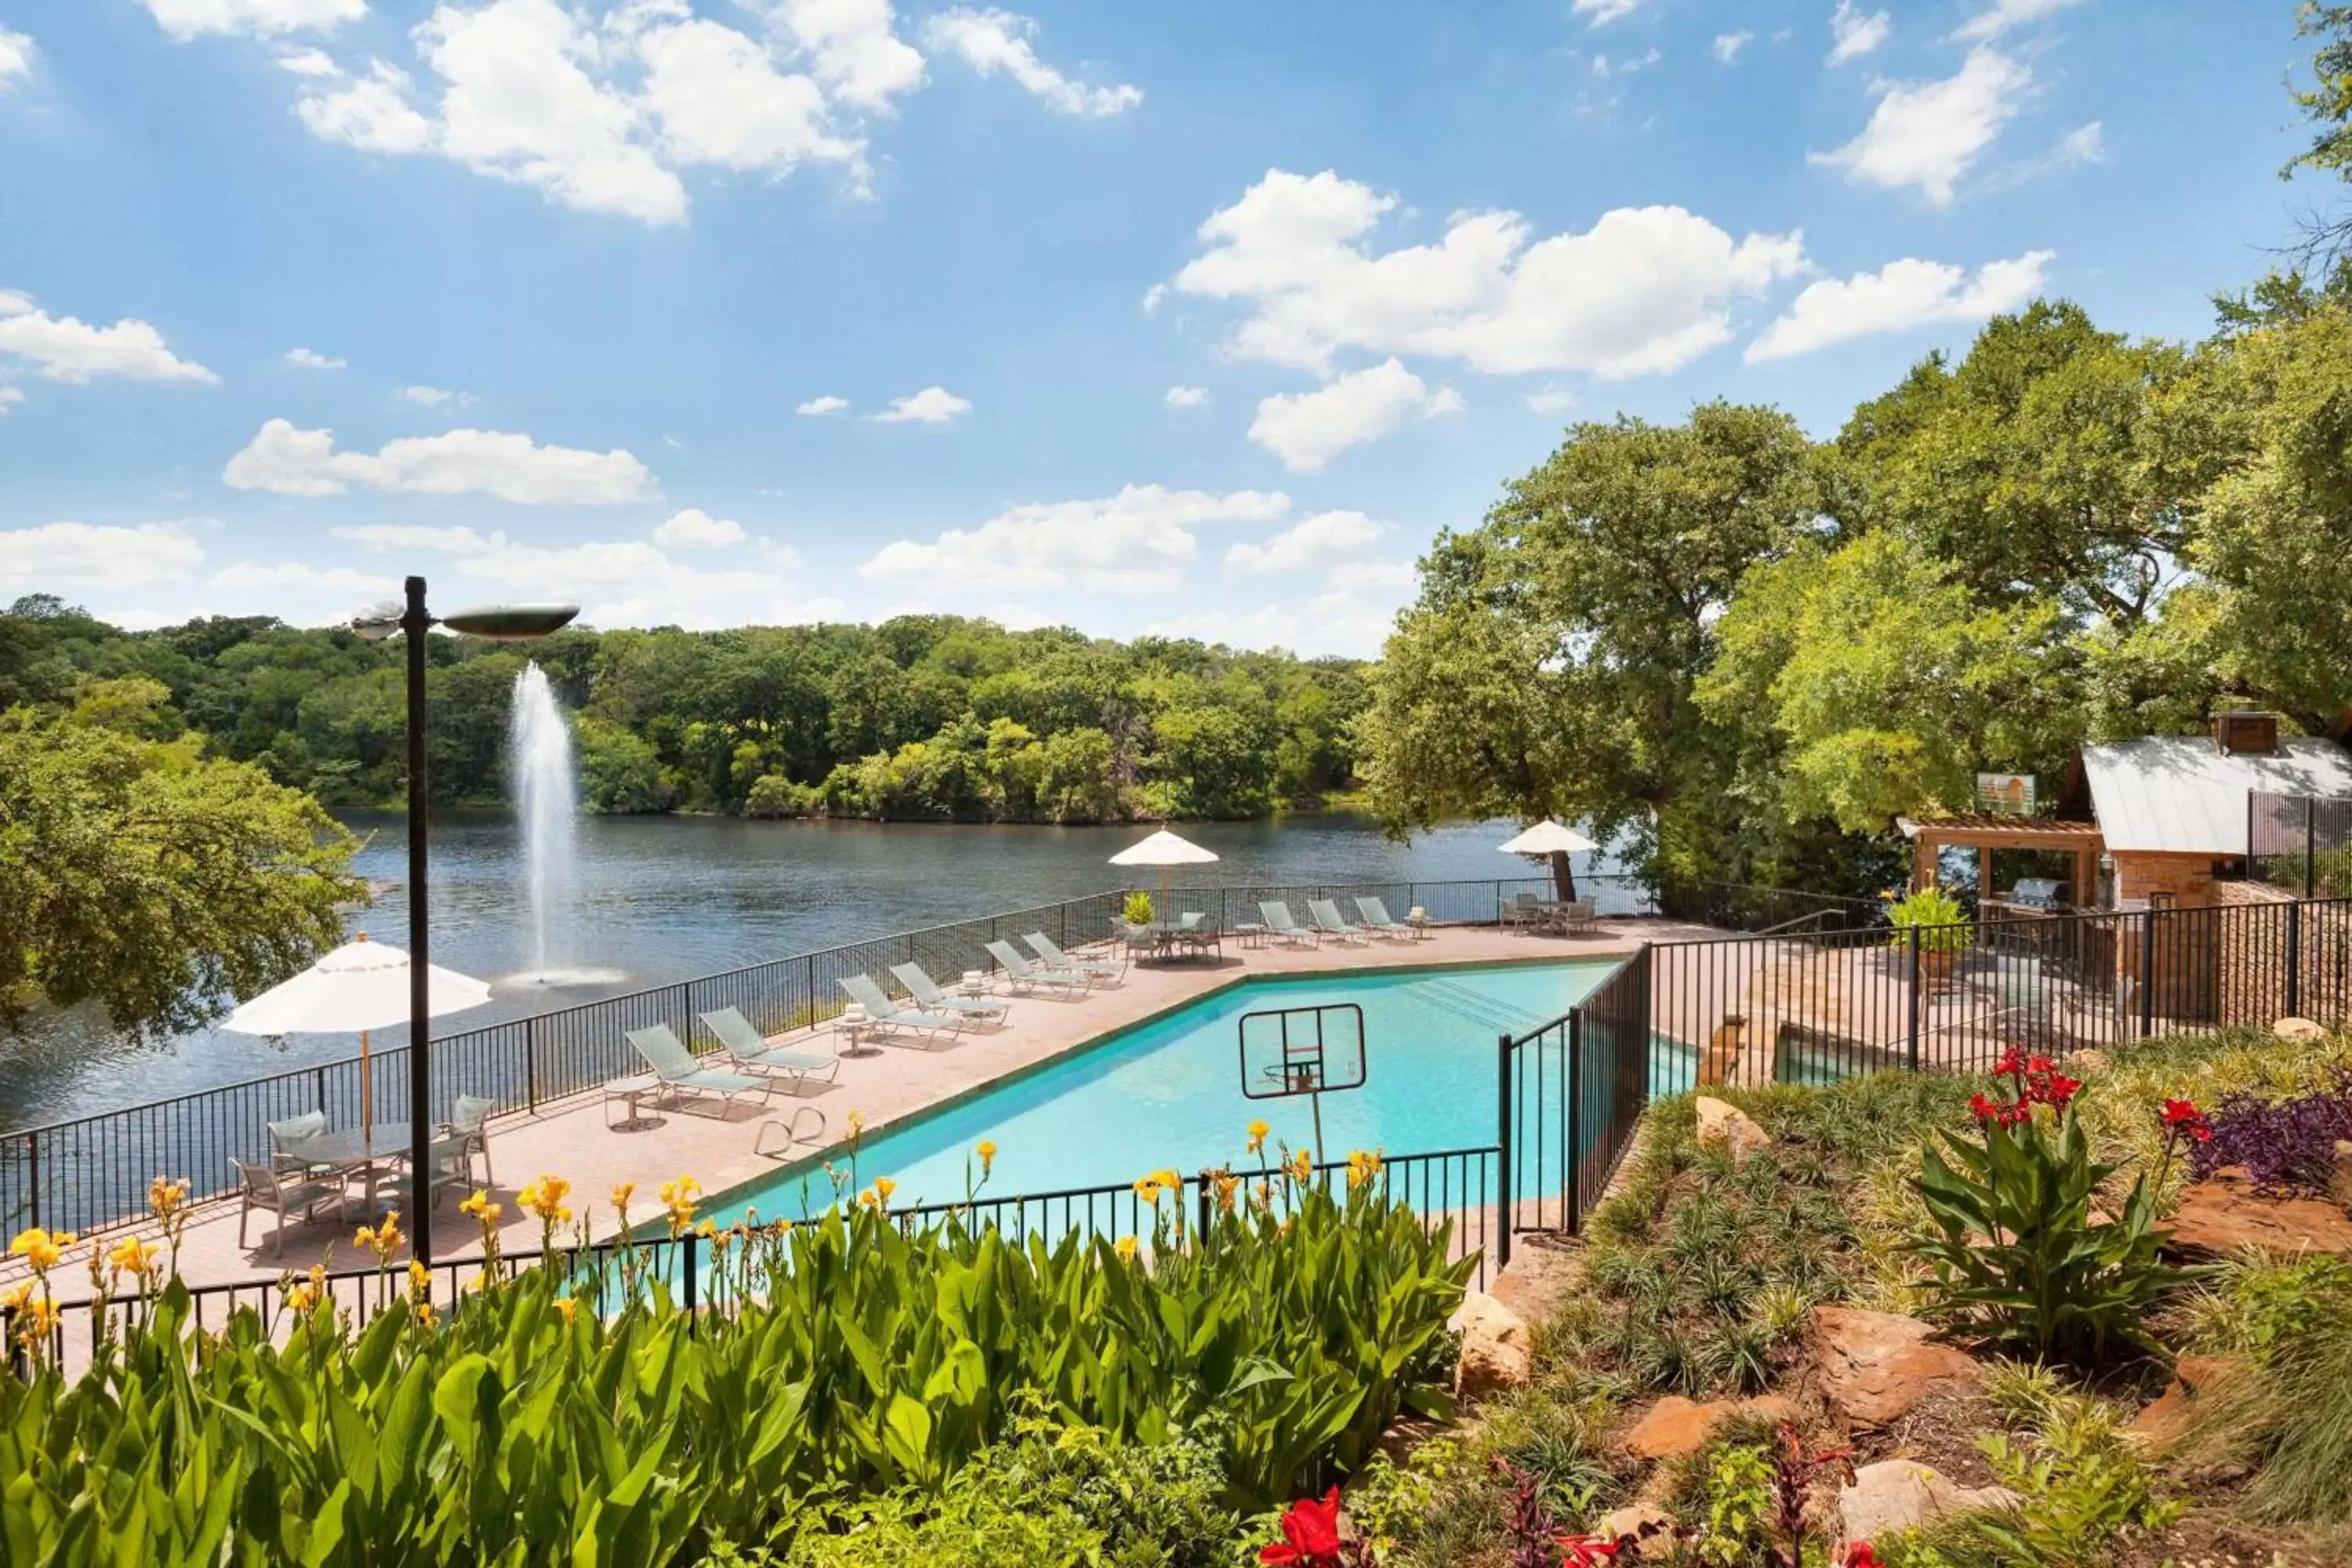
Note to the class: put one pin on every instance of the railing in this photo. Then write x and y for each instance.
(2302, 844)
(92, 1172)
(1450, 1188)
(1568, 1095)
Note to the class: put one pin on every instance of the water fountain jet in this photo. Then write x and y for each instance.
(547, 808)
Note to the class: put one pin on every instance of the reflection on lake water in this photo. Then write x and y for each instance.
(665, 899)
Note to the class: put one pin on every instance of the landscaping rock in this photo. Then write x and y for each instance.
(2300, 1030)
(1632, 1519)
(1674, 1425)
(1876, 1365)
(1496, 1351)
(2339, 1185)
(1537, 1279)
(1903, 1494)
(2225, 1214)
(1727, 1124)
(2163, 1422)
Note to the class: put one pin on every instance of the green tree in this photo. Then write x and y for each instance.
(142, 877)
(620, 773)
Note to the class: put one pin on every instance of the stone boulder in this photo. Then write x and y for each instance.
(2301, 1031)
(1674, 1425)
(1633, 1519)
(1903, 1494)
(1724, 1123)
(1497, 1354)
(2088, 1060)
(2339, 1185)
(2166, 1419)
(2225, 1215)
(1874, 1366)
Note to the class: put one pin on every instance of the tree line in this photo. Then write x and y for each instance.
(933, 716)
(1746, 652)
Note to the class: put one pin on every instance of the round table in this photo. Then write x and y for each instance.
(361, 1149)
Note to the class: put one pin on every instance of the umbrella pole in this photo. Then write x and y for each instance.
(367, 1097)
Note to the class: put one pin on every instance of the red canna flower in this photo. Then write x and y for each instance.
(2179, 1110)
(1310, 1535)
(2011, 1063)
(1584, 1551)
(1983, 1109)
(2060, 1089)
(1858, 1554)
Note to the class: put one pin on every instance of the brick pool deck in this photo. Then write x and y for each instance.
(722, 1148)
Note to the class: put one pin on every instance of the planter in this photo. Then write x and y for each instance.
(1936, 968)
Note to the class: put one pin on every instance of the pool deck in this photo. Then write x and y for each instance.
(722, 1149)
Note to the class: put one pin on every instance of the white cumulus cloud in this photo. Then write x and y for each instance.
(695, 528)
(289, 461)
(1645, 289)
(97, 555)
(16, 58)
(1307, 429)
(1899, 297)
(10, 396)
(66, 348)
(855, 50)
(1551, 400)
(1854, 34)
(1186, 397)
(992, 41)
(345, 581)
(932, 406)
(185, 19)
(1310, 545)
(311, 359)
(1142, 540)
(433, 396)
(1928, 134)
(2003, 14)
(1597, 13)
(1728, 45)
(1342, 623)
(828, 404)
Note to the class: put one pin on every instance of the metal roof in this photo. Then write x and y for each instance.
(2177, 795)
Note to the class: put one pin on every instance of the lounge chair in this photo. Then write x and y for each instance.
(1376, 918)
(276, 1192)
(1282, 928)
(889, 1016)
(1054, 958)
(676, 1067)
(932, 997)
(1024, 976)
(749, 1049)
(1331, 923)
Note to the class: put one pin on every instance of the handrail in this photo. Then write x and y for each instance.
(1800, 919)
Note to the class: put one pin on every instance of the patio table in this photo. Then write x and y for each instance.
(359, 1149)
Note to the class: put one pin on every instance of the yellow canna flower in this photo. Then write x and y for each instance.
(987, 1152)
(1302, 1166)
(15, 1299)
(1257, 1131)
(132, 1257)
(1363, 1169)
(420, 1279)
(41, 1249)
(1127, 1246)
(301, 1298)
(568, 1309)
(544, 1197)
(621, 1193)
(1148, 1189)
(426, 1315)
(164, 1198)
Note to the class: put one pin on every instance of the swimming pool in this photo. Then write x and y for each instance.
(1167, 1094)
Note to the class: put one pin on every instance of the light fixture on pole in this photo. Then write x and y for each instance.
(497, 622)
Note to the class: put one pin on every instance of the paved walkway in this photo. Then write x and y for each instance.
(721, 1148)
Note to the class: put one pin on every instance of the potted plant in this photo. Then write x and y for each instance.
(1139, 909)
(1941, 928)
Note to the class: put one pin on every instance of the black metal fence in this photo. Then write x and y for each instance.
(2300, 843)
(1568, 1094)
(92, 1172)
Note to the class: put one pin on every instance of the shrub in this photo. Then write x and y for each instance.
(1137, 909)
(2283, 1143)
(1934, 914)
(2019, 1256)
(859, 1359)
(2290, 1412)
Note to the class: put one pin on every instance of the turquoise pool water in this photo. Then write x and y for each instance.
(1168, 1093)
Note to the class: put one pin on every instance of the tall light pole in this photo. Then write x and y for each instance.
(497, 622)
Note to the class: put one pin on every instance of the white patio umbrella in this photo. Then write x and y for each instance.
(1163, 849)
(360, 986)
(1549, 840)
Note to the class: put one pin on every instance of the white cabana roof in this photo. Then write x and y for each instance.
(1163, 848)
(1549, 837)
(360, 985)
(2178, 795)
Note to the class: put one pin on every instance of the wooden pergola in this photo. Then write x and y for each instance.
(1984, 832)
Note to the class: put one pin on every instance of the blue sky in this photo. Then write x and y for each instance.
(1196, 319)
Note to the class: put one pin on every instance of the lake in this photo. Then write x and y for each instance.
(658, 899)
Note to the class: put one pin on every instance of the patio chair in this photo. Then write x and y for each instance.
(1375, 913)
(1135, 943)
(286, 1136)
(1050, 952)
(1282, 928)
(1024, 976)
(277, 1192)
(889, 1017)
(751, 1049)
(1193, 931)
(469, 1128)
(1521, 912)
(930, 996)
(1576, 914)
(677, 1067)
(1331, 923)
